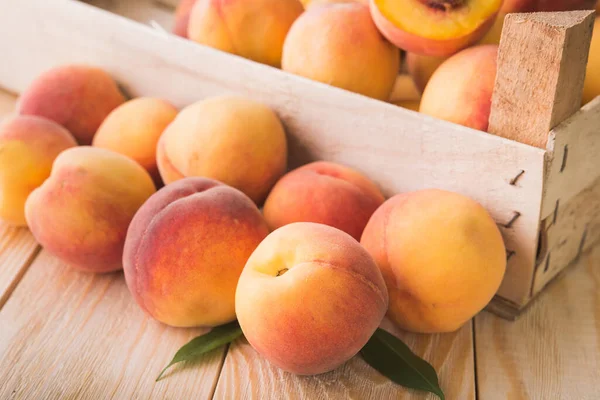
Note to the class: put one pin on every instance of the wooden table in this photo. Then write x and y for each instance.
(66, 335)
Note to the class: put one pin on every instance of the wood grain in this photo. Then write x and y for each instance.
(399, 149)
(246, 375)
(541, 69)
(68, 335)
(553, 350)
(17, 245)
(571, 201)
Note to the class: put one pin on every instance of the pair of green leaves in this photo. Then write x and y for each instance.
(384, 352)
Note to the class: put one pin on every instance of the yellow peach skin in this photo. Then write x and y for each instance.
(28, 147)
(421, 68)
(78, 97)
(81, 213)
(326, 193)
(309, 298)
(591, 86)
(234, 140)
(442, 257)
(253, 29)
(435, 27)
(338, 44)
(186, 248)
(452, 94)
(182, 17)
(133, 129)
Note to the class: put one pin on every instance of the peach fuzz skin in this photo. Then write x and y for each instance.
(453, 94)
(253, 29)
(309, 298)
(338, 44)
(326, 193)
(232, 139)
(81, 213)
(186, 248)
(442, 257)
(77, 97)
(312, 3)
(134, 128)
(28, 147)
(430, 46)
(182, 17)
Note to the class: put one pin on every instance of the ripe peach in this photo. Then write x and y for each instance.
(339, 44)
(434, 27)
(591, 86)
(235, 140)
(325, 193)
(182, 17)
(186, 248)
(133, 129)
(309, 298)
(421, 68)
(253, 29)
(28, 147)
(311, 3)
(453, 95)
(78, 97)
(82, 211)
(442, 257)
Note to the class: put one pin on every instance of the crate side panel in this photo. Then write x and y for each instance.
(400, 149)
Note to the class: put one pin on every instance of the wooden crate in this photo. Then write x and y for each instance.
(544, 194)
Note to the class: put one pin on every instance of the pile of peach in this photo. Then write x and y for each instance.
(309, 277)
(447, 47)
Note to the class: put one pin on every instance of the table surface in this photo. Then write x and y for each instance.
(66, 334)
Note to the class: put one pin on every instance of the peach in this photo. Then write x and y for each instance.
(81, 213)
(442, 257)
(232, 139)
(253, 29)
(309, 298)
(434, 27)
(78, 97)
(28, 147)
(326, 193)
(591, 86)
(338, 44)
(453, 95)
(186, 248)
(182, 17)
(311, 3)
(421, 68)
(133, 129)
(517, 6)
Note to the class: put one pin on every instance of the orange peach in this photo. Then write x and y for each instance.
(326, 193)
(311, 3)
(421, 68)
(78, 97)
(186, 248)
(442, 257)
(452, 94)
(338, 44)
(591, 86)
(309, 298)
(435, 27)
(28, 147)
(133, 129)
(182, 17)
(81, 213)
(253, 29)
(232, 139)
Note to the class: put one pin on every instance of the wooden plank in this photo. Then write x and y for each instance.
(553, 350)
(399, 149)
(571, 201)
(541, 69)
(246, 375)
(67, 334)
(17, 245)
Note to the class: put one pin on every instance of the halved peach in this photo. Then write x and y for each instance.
(434, 27)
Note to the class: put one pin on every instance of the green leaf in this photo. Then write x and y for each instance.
(392, 358)
(217, 337)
